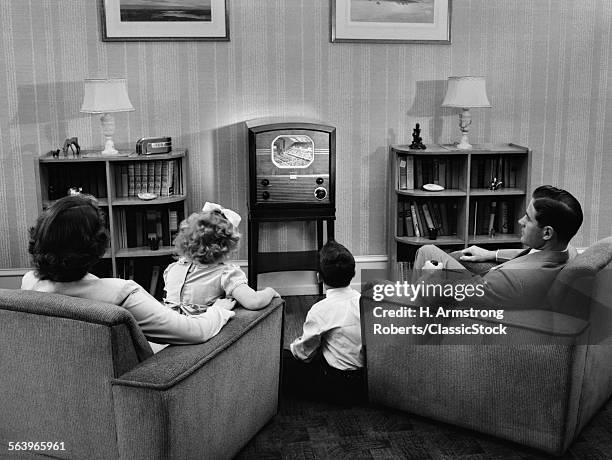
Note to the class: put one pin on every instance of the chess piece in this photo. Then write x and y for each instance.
(417, 141)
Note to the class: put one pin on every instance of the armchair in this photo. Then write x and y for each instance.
(537, 386)
(81, 372)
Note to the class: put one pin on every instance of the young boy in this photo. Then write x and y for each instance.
(333, 328)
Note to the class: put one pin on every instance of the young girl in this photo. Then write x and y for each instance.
(204, 242)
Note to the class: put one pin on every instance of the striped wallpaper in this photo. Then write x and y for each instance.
(546, 62)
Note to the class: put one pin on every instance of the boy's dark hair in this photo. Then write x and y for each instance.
(336, 265)
(559, 209)
(69, 238)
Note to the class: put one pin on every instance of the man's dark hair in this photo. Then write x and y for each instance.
(559, 209)
(336, 265)
(69, 238)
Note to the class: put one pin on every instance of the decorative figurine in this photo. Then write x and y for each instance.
(495, 184)
(417, 141)
(55, 153)
(71, 143)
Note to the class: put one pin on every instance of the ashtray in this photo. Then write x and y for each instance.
(147, 196)
(433, 187)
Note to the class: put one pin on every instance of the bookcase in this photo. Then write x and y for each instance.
(467, 211)
(141, 231)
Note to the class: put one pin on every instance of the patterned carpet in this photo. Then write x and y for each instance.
(314, 430)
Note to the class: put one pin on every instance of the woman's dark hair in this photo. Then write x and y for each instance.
(559, 209)
(69, 238)
(336, 265)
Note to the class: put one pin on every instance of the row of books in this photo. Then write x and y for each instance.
(417, 218)
(414, 172)
(162, 177)
(136, 227)
(492, 217)
(484, 170)
(89, 178)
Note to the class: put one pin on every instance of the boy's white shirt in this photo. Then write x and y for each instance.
(333, 325)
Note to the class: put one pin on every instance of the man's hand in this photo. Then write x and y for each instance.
(477, 254)
(228, 303)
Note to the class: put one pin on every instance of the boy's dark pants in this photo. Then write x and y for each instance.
(318, 380)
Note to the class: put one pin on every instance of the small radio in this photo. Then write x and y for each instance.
(152, 145)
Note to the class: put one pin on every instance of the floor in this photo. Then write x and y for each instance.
(305, 429)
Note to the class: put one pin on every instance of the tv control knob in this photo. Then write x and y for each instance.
(265, 182)
(265, 195)
(319, 180)
(320, 193)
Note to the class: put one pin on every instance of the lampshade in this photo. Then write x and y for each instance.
(106, 96)
(466, 92)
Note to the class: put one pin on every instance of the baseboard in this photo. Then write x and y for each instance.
(305, 282)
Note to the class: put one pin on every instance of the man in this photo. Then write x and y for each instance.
(522, 277)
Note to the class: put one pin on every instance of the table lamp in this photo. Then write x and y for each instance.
(106, 96)
(466, 92)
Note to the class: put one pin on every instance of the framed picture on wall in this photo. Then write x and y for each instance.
(159, 20)
(391, 21)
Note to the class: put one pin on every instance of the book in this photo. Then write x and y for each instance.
(428, 218)
(409, 172)
(402, 173)
(442, 172)
(492, 212)
(157, 177)
(150, 176)
(124, 181)
(504, 217)
(415, 220)
(409, 226)
(401, 216)
(164, 178)
(154, 279)
(172, 224)
(138, 177)
(144, 176)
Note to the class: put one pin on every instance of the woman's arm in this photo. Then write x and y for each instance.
(164, 325)
(251, 299)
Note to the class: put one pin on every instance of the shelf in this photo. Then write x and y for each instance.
(421, 240)
(441, 194)
(500, 192)
(157, 201)
(144, 251)
(94, 155)
(47, 203)
(497, 239)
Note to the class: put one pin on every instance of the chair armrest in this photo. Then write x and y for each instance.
(177, 362)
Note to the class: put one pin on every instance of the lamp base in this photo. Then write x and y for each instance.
(464, 144)
(108, 129)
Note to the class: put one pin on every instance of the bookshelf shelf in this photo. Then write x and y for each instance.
(132, 222)
(420, 240)
(494, 193)
(497, 239)
(144, 251)
(440, 194)
(157, 201)
(466, 210)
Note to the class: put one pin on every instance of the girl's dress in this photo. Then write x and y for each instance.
(192, 284)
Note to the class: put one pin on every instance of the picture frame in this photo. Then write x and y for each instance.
(391, 21)
(164, 20)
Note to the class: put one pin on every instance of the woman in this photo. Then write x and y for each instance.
(68, 240)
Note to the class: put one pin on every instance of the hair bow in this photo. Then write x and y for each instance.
(233, 217)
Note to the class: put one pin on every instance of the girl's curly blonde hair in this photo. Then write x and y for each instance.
(206, 237)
